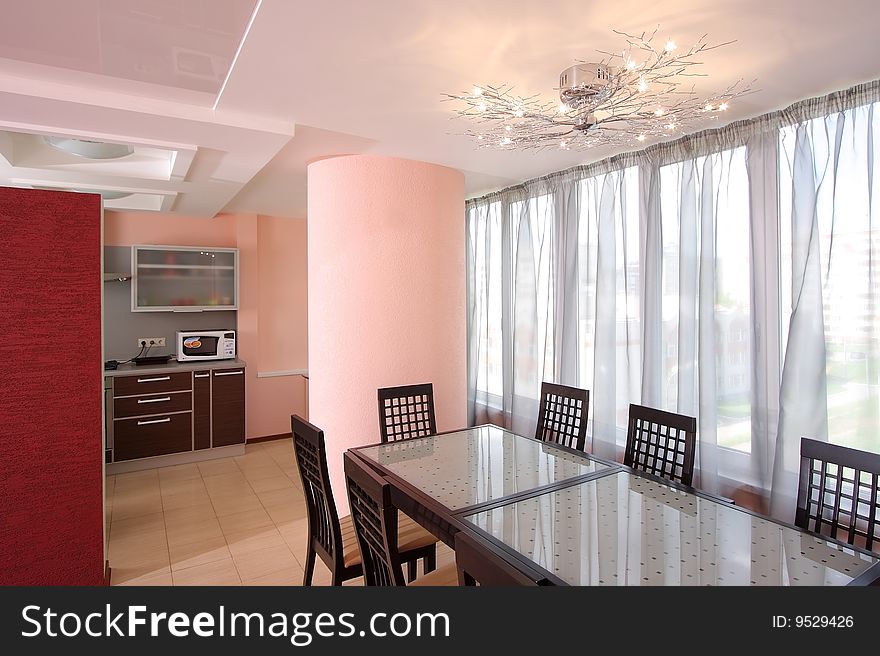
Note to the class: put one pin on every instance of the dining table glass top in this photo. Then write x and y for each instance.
(625, 529)
(478, 465)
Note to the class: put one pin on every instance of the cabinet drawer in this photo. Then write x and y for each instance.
(152, 436)
(151, 404)
(150, 383)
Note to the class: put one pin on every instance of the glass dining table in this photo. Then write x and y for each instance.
(576, 519)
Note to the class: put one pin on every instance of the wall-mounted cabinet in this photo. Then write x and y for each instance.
(183, 279)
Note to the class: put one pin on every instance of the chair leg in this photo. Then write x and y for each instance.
(310, 566)
(430, 561)
(411, 571)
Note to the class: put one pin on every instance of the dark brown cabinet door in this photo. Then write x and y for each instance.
(227, 407)
(201, 409)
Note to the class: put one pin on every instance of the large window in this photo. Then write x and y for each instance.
(705, 224)
(836, 153)
(732, 276)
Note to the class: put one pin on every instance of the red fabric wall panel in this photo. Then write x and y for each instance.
(51, 484)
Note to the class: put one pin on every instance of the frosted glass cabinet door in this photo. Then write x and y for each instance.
(169, 278)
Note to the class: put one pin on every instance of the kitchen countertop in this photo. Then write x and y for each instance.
(173, 365)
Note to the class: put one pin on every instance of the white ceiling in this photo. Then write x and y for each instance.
(368, 77)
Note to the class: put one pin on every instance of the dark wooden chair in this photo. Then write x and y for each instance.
(406, 411)
(375, 522)
(478, 564)
(562, 416)
(661, 443)
(332, 538)
(839, 493)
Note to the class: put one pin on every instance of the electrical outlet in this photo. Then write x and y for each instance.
(150, 341)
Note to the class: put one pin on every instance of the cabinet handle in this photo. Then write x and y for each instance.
(228, 373)
(201, 375)
(164, 398)
(151, 380)
(155, 421)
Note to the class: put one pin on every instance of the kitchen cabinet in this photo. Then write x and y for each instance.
(175, 413)
(183, 279)
(227, 407)
(201, 409)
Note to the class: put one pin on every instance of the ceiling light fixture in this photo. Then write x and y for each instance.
(622, 100)
(89, 149)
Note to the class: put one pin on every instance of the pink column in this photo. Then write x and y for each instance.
(386, 294)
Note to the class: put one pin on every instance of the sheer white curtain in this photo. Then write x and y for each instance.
(728, 275)
(830, 248)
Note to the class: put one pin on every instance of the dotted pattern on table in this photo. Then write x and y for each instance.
(626, 530)
(479, 465)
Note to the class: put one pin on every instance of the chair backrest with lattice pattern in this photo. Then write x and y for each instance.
(406, 411)
(661, 443)
(839, 493)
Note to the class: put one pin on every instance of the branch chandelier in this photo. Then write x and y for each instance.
(625, 99)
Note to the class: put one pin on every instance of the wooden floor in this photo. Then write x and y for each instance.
(234, 521)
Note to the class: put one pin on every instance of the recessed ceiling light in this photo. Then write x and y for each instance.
(89, 149)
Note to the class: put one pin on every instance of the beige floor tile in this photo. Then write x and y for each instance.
(219, 466)
(244, 542)
(185, 500)
(246, 521)
(182, 486)
(183, 516)
(280, 482)
(196, 531)
(137, 554)
(143, 478)
(288, 496)
(257, 472)
(257, 456)
(286, 514)
(230, 505)
(134, 526)
(290, 576)
(220, 572)
(198, 553)
(227, 484)
(140, 575)
(255, 564)
(136, 505)
(179, 473)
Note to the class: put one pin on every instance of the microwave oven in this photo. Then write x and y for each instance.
(194, 345)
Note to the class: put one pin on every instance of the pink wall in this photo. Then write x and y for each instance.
(386, 294)
(272, 323)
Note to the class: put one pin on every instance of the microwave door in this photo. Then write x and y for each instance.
(204, 346)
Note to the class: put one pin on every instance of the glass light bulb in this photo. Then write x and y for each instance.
(641, 137)
(506, 141)
(562, 144)
(477, 91)
(643, 86)
(563, 108)
(671, 45)
(708, 107)
(722, 107)
(519, 113)
(631, 65)
(508, 128)
(670, 126)
(481, 107)
(658, 111)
